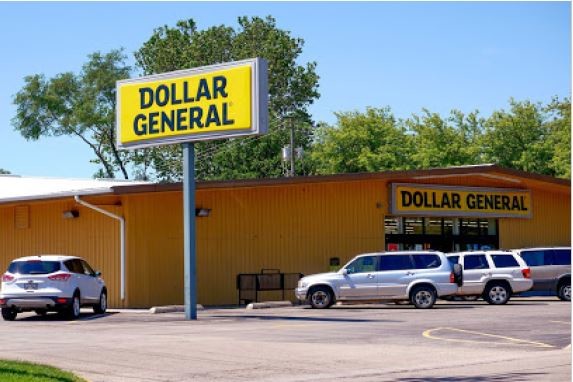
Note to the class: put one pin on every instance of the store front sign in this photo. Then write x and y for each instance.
(431, 200)
(213, 102)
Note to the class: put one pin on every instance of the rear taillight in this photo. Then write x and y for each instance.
(452, 278)
(2, 301)
(526, 273)
(7, 278)
(61, 300)
(60, 277)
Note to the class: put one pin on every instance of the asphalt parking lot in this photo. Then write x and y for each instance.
(527, 340)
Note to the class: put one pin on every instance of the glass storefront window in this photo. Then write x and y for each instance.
(433, 226)
(392, 225)
(413, 226)
(448, 226)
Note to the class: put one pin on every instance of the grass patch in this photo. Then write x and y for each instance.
(16, 371)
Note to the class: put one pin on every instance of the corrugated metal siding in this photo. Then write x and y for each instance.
(92, 236)
(292, 228)
(550, 224)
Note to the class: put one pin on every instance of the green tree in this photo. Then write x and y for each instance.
(4, 172)
(517, 138)
(442, 142)
(292, 88)
(362, 142)
(559, 136)
(80, 105)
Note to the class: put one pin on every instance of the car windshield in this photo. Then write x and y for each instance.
(34, 267)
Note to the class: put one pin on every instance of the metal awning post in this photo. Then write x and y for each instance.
(189, 239)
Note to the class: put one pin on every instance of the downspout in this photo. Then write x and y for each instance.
(121, 240)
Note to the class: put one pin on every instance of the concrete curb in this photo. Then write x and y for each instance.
(171, 309)
(269, 304)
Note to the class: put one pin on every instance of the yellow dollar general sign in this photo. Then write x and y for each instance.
(213, 102)
(430, 200)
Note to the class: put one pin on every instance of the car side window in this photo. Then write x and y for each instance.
(74, 266)
(562, 257)
(504, 261)
(534, 258)
(362, 265)
(427, 261)
(475, 262)
(87, 269)
(396, 262)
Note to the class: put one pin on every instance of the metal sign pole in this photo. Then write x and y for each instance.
(189, 248)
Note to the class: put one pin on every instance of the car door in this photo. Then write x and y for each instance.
(396, 273)
(77, 270)
(91, 282)
(477, 272)
(361, 279)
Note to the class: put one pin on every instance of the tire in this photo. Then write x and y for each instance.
(321, 297)
(101, 306)
(73, 311)
(9, 314)
(564, 291)
(497, 293)
(423, 297)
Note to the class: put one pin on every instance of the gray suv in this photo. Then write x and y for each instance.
(416, 276)
(550, 269)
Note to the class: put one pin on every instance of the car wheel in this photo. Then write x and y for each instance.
(497, 293)
(41, 312)
(423, 297)
(564, 292)
(9, 314)
(101, 306)
(73, 311)
(470, 298)
(321, 298)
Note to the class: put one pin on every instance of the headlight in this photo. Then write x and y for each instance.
(302, 284)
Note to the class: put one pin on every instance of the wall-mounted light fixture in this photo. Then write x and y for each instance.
(202, 212)
(71, 214)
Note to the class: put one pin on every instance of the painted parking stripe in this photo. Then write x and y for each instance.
(562, 322)
(512, 341)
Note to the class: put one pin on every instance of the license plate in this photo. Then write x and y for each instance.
(30, 285)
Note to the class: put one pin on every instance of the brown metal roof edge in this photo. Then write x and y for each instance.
(395, 174)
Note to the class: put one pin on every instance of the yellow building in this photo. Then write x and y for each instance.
(292, 224)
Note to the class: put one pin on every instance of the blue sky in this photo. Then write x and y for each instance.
(407, 56)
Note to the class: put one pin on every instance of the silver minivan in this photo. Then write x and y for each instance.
(550, 269)
(416, 276)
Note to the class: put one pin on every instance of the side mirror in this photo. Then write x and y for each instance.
(458, 275)
(344, 271)
(97, 274)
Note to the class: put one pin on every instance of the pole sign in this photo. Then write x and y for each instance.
(432, 200)
(212, 102)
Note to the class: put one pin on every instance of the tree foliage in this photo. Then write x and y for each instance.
(4, 172)
(529, 136)
(80, 105)
(362, 142)
(292, 89)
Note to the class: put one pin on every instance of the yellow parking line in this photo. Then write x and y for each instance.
(513, 341)
(562, 322)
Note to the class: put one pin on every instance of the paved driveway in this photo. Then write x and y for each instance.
(526, 340)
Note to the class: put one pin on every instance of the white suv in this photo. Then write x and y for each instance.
(493, 275)
(417, 276)
(51, 283)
